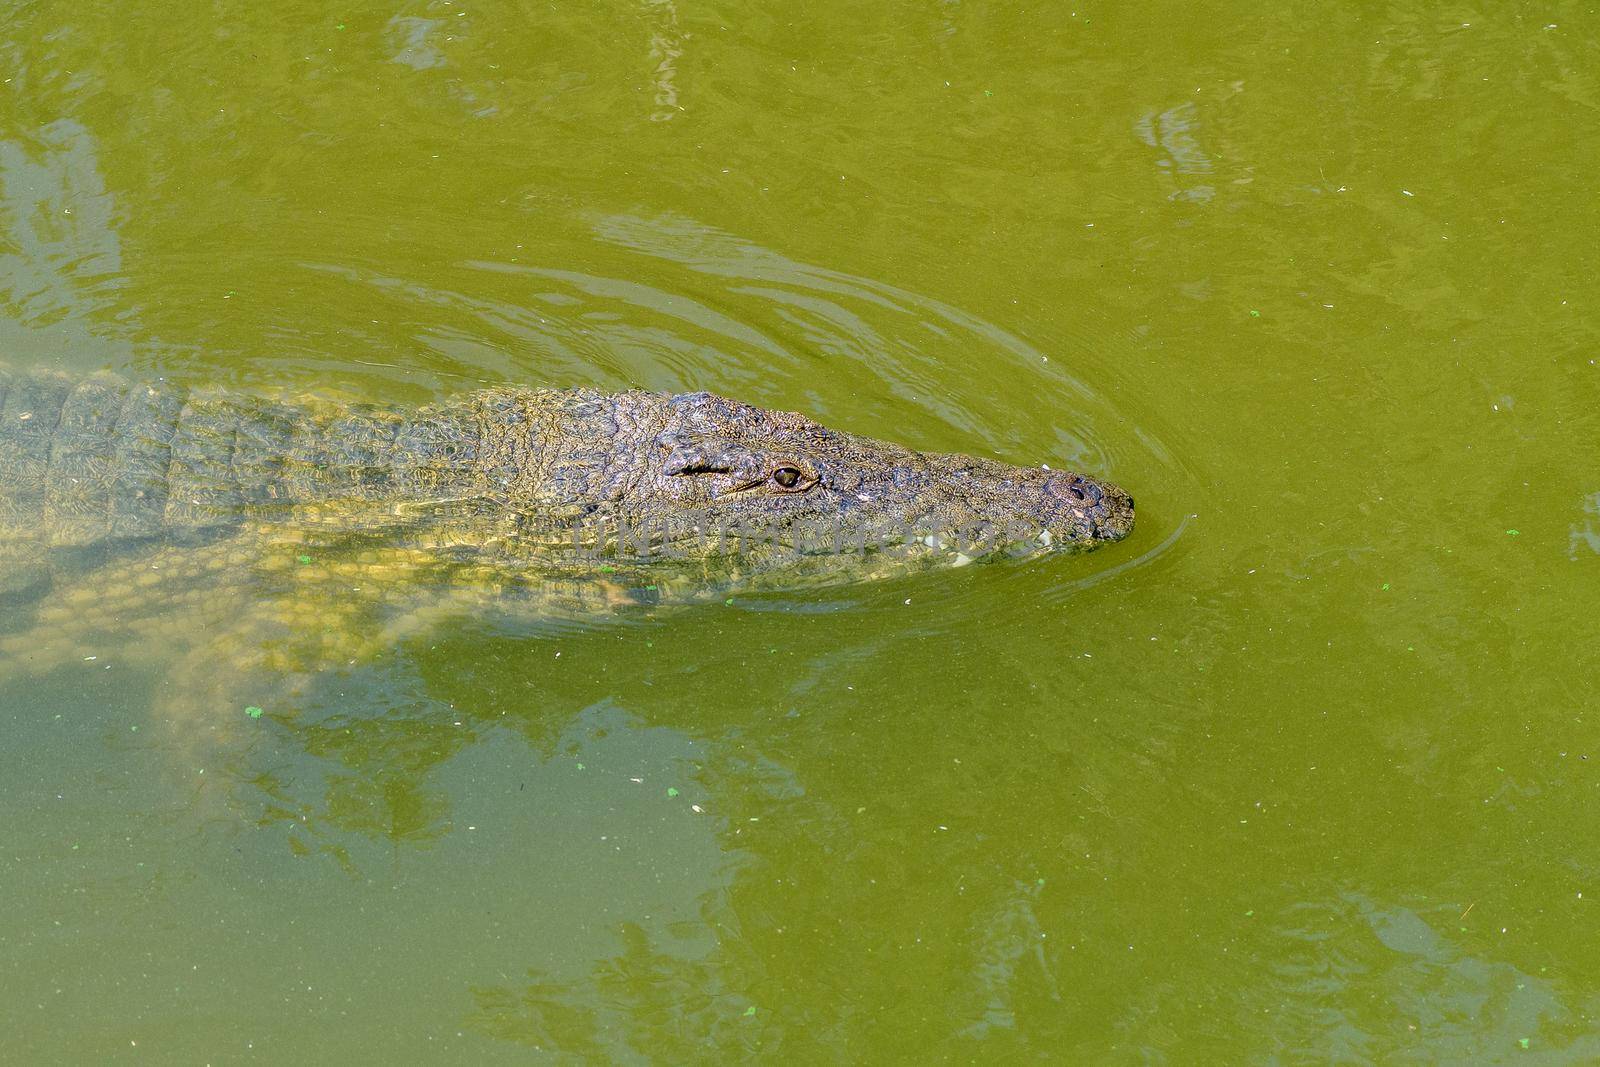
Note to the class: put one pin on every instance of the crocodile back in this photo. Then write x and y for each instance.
(91, 460)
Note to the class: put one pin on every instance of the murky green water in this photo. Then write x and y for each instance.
(1305, 771)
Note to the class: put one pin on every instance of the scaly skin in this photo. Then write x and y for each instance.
(495, 472)
(294, 533)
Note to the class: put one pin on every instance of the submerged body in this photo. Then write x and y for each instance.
(553, 503)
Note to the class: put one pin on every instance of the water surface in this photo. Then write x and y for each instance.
(1304, 771)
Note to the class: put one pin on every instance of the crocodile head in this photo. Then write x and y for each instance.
(783, 499)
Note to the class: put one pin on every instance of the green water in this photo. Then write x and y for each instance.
(1307, 770)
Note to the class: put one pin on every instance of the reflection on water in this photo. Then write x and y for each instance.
(1011, 950)
(411, 41)
(666, 46)
(1173, 131)
(644, 1004)
(61, 259)
(1438, 1001)
(1587, 533)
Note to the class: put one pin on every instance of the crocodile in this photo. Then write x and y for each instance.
(149, 508)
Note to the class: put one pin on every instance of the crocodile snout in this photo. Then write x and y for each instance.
(1099, 509)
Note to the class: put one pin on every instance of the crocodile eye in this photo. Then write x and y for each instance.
(787, 477)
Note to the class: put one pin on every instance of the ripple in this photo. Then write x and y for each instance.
(668, 303)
